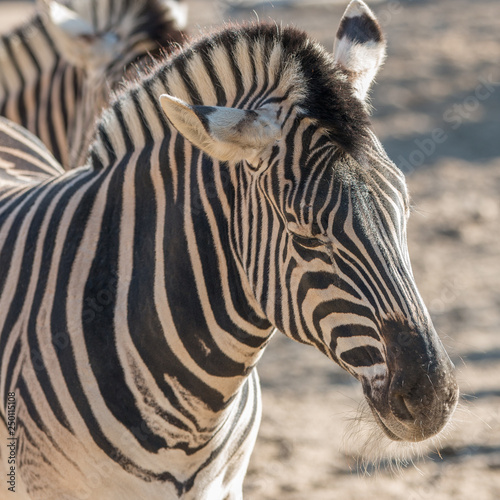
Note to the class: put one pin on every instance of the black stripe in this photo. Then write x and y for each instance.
(217, 86)
(366, 355)
(9, 383)
(360, 29)
(352, 330)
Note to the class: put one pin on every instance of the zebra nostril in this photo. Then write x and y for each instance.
(399, 408)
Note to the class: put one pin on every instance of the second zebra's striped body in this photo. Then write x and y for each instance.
(138, 293)
(56, 71)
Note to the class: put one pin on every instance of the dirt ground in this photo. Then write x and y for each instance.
(437, 111)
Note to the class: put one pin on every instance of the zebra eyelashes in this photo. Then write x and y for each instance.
(309, 242)
(310, 237)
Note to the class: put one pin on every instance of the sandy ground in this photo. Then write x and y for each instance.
(437, 110)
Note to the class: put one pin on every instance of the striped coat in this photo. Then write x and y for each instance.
(139, 292)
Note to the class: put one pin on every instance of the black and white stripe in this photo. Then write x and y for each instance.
(137, 294)
(23, 157)
(56, 70)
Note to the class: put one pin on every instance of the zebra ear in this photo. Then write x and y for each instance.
(178, 12)
(64, 18)
(226, 134)
(359, 47)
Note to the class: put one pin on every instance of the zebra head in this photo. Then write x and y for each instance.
(320, 216)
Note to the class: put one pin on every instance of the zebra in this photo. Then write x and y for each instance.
(23, 157)
(56, 70)
(235, 189)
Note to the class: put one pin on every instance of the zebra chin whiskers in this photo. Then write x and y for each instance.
(371, 451)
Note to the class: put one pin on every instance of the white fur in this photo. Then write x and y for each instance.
(68, 20)
(179, 13)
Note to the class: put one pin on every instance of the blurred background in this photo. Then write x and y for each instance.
(437, 111)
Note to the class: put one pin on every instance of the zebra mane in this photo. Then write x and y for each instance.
(241, 66)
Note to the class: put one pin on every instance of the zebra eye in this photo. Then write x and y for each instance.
(306, 241)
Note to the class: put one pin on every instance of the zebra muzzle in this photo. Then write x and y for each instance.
(420, 393)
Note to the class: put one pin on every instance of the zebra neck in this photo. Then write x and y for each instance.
(175, 232)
